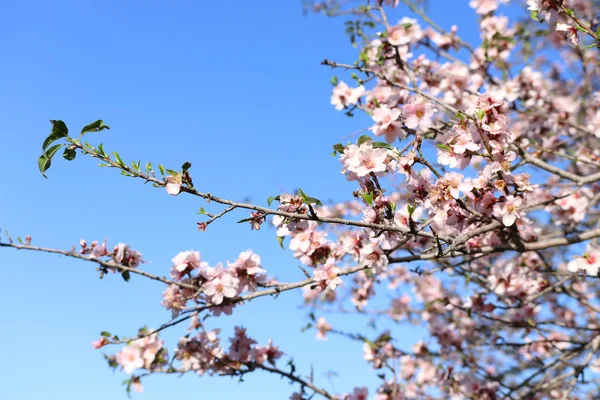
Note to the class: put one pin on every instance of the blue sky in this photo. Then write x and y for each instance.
(234, 87)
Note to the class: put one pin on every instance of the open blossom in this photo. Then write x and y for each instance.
(590, 263)
(220, 287)
(372, 256)
(361, 393)
(406, 31)
(322, 328)
(124, 255)
(269, 353)
(387, 123)
(418, 115)
(186, 262)
(248, 270)
(485, 6)
(365, 159)
(173, 299)
(570, 30)
(327, 276)
(99, 250)
(509, 209)
(173, 185)
(130, 359)
(343, 95)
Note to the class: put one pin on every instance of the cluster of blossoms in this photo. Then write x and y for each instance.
(214, 284)
(121, 254)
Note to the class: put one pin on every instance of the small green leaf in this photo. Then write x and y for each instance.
(202, 211)
(118, 158)
(45, 159)
(162, 169)
(308, 199)
(101, 150)
(244, 220)
(69, 154)
(411, 209)
(59, 128)
(126, 276)
(534, 15)
(443, 146)
(105, 334)
(96, 126)
(334, 80)
(363, 139)
(186, 165)
(280, 241)
(382, 145)
(368, 198)
(270, 200)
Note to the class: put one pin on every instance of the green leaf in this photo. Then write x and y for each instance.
(118, 158)
(101, 150)
(126, 276)
(339, 147)
(534, 15)
(479, 114)
(244, 220)
(186, 165)
(363, 139)
(382, 145)
(334, 80)
(443, 146)
(411, 209)
(96, 126)
(69, 154)
(162, 169)
(59, 128)
(45, 159)
(368, 198)
(105, 334)
(280, 241)
(270, 200)
(313, 200)
(202, 211)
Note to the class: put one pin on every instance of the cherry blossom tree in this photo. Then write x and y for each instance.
(475, 216)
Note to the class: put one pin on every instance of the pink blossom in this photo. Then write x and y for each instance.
(344, 96)
(100, 342)
(247, 270)
(186, 262)
(241, 345)
(322, 328)
(221, 287)
(173, 185)
(269, 353)
(407, 31)
(590, 263)
(373, 257)
(418, 115)
(327, 276)
(509, 209)
(130, 359)
(387, 123)
(361, 393)
(366, 159)
(571, 32)
(98, 250)
(485, 6)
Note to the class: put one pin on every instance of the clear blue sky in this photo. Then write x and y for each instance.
(234, 87)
